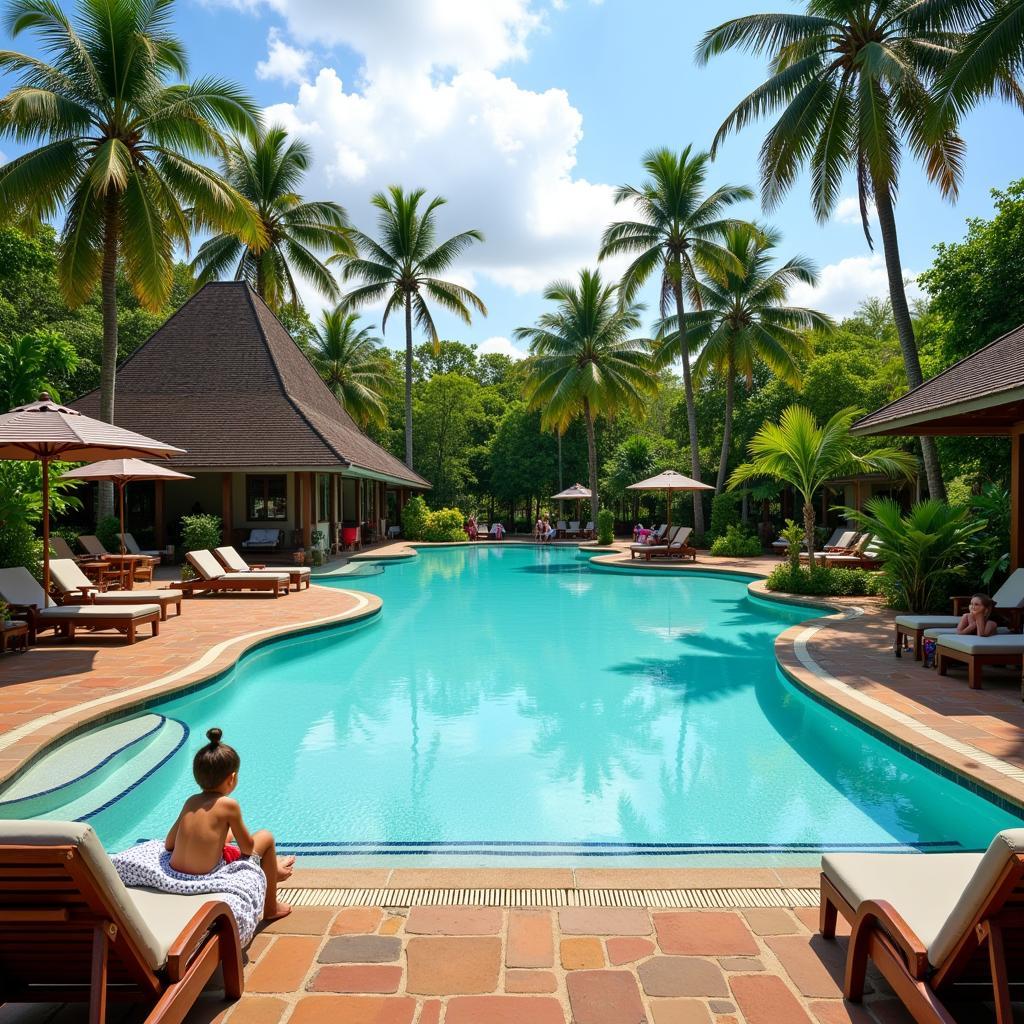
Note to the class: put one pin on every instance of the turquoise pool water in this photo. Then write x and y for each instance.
(513, 705)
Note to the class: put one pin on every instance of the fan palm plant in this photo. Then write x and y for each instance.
(921, 550)
(680, 228)
(805, 454)
(114, 137)
(586, 360)
(744, 320)
(353, 364)
(268, 171)
(402, 269)
(852, 84)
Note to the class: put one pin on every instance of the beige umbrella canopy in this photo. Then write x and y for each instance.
(668, 482)
(45, 431)
(120, 472)
(575, 493)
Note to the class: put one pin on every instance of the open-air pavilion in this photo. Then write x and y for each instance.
(980, 396)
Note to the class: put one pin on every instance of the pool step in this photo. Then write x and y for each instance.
(86, 773)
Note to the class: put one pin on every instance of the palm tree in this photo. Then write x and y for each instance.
(800, 452)
(852, 81)
(354, 366)
(744, 320)
(402, 269)
(585, 360)
(680, 229)
(112, 134)
(268, 171)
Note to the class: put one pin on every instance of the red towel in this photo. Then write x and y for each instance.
(232, 853)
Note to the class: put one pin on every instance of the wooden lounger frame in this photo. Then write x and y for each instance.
(295, 576)
(989, 948)
(94, 596)
(974, 662)
(67, 627)
(197, 586)
(63, 940)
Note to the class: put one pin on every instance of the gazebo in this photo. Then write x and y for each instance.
(980, 396)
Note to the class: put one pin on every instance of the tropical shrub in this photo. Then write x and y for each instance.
(444, 524)
(20, 546)
(736, 542)
(724, 512)
(200, 532)
(5, 610)
(414, 518)
(989, 554)
(922, 551)
(605, 526)
(825, 581)
(108, 531)
(793, 533)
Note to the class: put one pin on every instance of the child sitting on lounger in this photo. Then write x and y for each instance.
(978, 619)
(208, 821)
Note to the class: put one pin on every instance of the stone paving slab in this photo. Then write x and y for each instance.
(297, 978)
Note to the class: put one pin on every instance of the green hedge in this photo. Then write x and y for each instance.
(605, 526)
(108, 531)
(736, 543)
(825, 581)
(438, 525)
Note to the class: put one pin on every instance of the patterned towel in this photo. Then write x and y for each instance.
(241, 883)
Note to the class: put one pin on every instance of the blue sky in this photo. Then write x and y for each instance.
(525, 114)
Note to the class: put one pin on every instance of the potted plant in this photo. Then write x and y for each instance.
(319, 541)
(5, 611)
(299, 556)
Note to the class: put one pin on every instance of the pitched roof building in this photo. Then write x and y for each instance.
(268, 442)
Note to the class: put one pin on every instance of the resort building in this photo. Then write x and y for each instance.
(269, 445)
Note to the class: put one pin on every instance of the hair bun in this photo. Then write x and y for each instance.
(214, 735)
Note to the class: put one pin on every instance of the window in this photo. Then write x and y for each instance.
(266, 498)
(323, 491)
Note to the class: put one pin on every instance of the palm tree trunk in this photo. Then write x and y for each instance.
(408, 381)
(730, 398)
(691, 414)
(905, 328)
(809, 529)
(108, 368)
(595, 506)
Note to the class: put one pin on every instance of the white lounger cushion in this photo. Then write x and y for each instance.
(154, 919)
(91, 611)
(236, 563)
(302, 570)
(936, 631)
(127, 596)
(923, 887)
(1011, 593)
(235, 577)
(1010, 643)
(926, 621)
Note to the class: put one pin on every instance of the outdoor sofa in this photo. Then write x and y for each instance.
(1009, 610)
(76, 588)
(19, 588)
(928, 921)
(234, 562)
(262, 540)
(71, 931)
(211, 576)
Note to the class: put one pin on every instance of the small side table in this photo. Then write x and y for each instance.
(13, 635)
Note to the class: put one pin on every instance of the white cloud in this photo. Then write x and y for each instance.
(845, 285)
(500, 345)
(284, 62)
(848, 211)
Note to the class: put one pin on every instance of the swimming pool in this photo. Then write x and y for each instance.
(510, 704)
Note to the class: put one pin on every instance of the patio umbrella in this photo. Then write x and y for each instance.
(120, 472)
(575, 493)
(668, 482)
(45, 431)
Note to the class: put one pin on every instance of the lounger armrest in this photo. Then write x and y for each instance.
(213, 916)
(884, 916)
(257, 565)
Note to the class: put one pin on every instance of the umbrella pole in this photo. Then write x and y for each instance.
(46, 527)
(120, 536)
(668, 516)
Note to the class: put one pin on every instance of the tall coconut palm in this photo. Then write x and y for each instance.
(268, 171)
(115, 138)
(586, 360)
(851, 81)
(805, 454)
(352, 362)
(680, 228)
(402, 268)
(744, 320)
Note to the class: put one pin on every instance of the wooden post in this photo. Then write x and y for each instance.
(225, 508)
(332, 539)
(159, 528)
(308, 507)
(1017, 496)
(359, 512)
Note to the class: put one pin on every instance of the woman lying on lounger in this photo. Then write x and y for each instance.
(978, 619)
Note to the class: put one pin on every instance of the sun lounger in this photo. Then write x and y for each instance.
(21, 590)
(642, 549)
(865, 555)
(212, 576)
(262, 540)
(677, 547)
(588, 531)
(978, 651)
(234, 562)
(928, 921)
(76, 588)
(573, 529)
(1009, 600)
(71, 931)
(60, 548)
(840, 543)
(560, 527)
(140, 566)
(131, 545)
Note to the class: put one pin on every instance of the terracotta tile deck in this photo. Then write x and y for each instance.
(473, 966)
